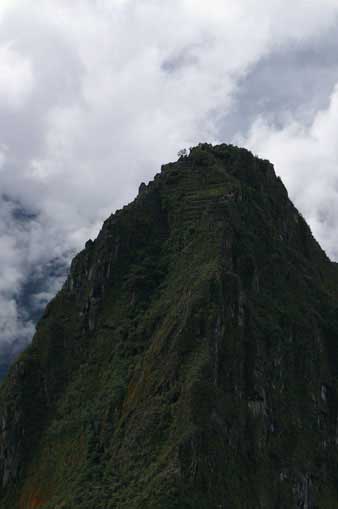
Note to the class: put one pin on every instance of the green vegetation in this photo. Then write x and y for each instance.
(191, 359)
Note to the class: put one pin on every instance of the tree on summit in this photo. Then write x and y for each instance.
(182, 153)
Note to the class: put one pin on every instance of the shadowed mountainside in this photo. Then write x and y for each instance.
(190, 360)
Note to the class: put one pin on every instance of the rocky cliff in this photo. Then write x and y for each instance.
(190, 360)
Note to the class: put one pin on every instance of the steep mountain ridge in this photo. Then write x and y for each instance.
(190, 359)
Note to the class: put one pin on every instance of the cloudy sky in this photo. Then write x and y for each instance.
(96, 94)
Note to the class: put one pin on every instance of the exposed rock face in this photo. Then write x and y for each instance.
(191, 359)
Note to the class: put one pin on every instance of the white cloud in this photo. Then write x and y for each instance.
(95, 95)
(12, 325)
(16, 77)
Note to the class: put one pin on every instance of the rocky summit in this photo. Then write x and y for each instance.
(189, 361)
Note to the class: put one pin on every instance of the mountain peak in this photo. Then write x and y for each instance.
(190, 359)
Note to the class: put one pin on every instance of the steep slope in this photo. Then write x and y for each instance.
(191, 359)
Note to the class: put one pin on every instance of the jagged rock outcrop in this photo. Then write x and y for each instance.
(190, 360)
